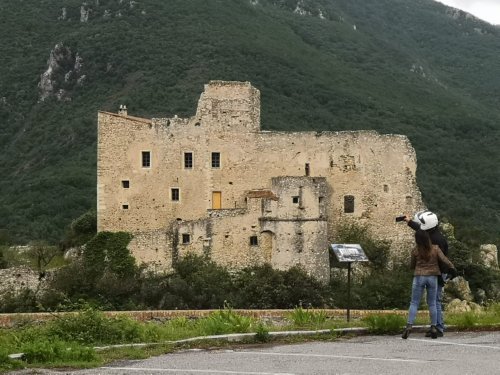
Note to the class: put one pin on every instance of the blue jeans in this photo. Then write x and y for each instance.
(439, 309)
(430, 283)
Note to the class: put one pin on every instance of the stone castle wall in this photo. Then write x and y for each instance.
(287, 188)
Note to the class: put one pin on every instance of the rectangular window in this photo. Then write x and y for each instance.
(295, 199)
(125, 184)
(253, 241)
(188, 160)
(215, 159)
(146, 159)
(175, 194)
(186, 238)
(348, 204)
(125, 206)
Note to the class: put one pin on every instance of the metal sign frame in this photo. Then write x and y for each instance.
(349, 253)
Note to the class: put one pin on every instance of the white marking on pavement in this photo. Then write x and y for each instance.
(194, 371)
(337, 356)
(458, 344)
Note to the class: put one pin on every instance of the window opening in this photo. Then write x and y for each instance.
(295, 199)
(125, 184)
(186, 238)
(386, 188)
(146, 159)
(125, 206)
(215, 159)
(307, 169)
(349, 204)
(175, 194)
(253, 241)
(188, 160)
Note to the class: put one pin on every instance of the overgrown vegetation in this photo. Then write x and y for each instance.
(107, 277)
(407, 67)
(75, 340)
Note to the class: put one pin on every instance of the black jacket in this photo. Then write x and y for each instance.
(436, 236)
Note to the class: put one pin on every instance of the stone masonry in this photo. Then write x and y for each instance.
(216, 184)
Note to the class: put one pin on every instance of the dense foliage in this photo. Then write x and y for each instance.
(395, 66)
(106, 276)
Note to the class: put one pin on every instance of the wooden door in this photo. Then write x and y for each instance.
(216, 200)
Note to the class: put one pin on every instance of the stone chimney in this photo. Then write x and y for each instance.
(123, 110)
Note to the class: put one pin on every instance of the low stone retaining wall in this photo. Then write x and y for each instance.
(10, 320)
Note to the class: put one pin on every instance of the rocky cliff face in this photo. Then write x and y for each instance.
(63, 74)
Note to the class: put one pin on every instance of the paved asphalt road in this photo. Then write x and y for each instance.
(455, 354)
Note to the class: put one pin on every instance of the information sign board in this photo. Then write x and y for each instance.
(349, 252)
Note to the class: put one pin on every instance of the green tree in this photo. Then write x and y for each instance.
(108, 252)
(81, 230)
(42, 254)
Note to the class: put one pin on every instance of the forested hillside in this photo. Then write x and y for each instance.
(412, 67)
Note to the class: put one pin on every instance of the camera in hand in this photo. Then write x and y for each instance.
(400, 218)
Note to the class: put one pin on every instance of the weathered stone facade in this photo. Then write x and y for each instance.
(217, 184)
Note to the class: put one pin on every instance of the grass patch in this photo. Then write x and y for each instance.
(384, 324)
(305, 318)
(69, 341)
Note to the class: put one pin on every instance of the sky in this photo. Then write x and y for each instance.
(488, 10)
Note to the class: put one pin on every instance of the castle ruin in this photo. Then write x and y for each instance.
(216, 184)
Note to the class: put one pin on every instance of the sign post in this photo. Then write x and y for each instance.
(349, 253)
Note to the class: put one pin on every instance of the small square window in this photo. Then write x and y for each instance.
(186, 238)
(125, 206)
(125, 184)
(146, 159)
(254, 241)
(188, 160)
(175, 194)
(295, 199)
(215, 159)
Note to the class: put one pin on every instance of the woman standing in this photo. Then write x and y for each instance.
(425, 260)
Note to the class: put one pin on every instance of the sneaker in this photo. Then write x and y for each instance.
(406, 332)
(439, 333)
(434, 332)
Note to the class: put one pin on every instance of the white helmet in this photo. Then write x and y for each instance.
(426, 219)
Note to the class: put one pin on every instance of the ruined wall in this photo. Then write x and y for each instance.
(378, 171)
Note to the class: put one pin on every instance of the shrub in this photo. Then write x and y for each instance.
(224, 321)
(24, 300)
(302, 289)
(3, 261)
(81, 230)
(304, 318)
(464, 320)
(262, 333)
(377, 251)
(90, 326)
(107, 252)
(54, 350)
(259, 287)
(199, 283)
